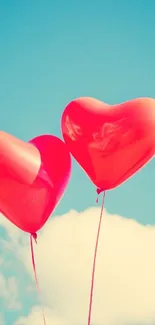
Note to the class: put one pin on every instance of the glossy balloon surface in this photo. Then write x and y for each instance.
(110, 142)
(33, 178)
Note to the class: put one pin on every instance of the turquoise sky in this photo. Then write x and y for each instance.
(52, 52)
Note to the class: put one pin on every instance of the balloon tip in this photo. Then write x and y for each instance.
(99, 190)
(34, 235)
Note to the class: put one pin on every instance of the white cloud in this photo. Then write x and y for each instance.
(9, 292)
(13, 302)
(3, 287)
(2, 322)
(35, 318)
(125, 271)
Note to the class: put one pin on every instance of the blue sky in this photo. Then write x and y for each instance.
(52, 52)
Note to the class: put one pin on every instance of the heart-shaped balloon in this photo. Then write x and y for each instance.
(33, 178)
(110, 142)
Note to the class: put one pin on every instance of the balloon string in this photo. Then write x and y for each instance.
(35, 272)
(94, 262)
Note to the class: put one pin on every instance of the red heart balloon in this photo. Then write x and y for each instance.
(33, 178)
(110, 142)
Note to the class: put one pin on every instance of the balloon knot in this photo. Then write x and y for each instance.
(34, 235)
(99, 190)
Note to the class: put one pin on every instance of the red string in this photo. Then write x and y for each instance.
(35, 272)
(94, 262)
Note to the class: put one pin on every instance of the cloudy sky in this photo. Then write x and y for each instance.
(51, 53)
